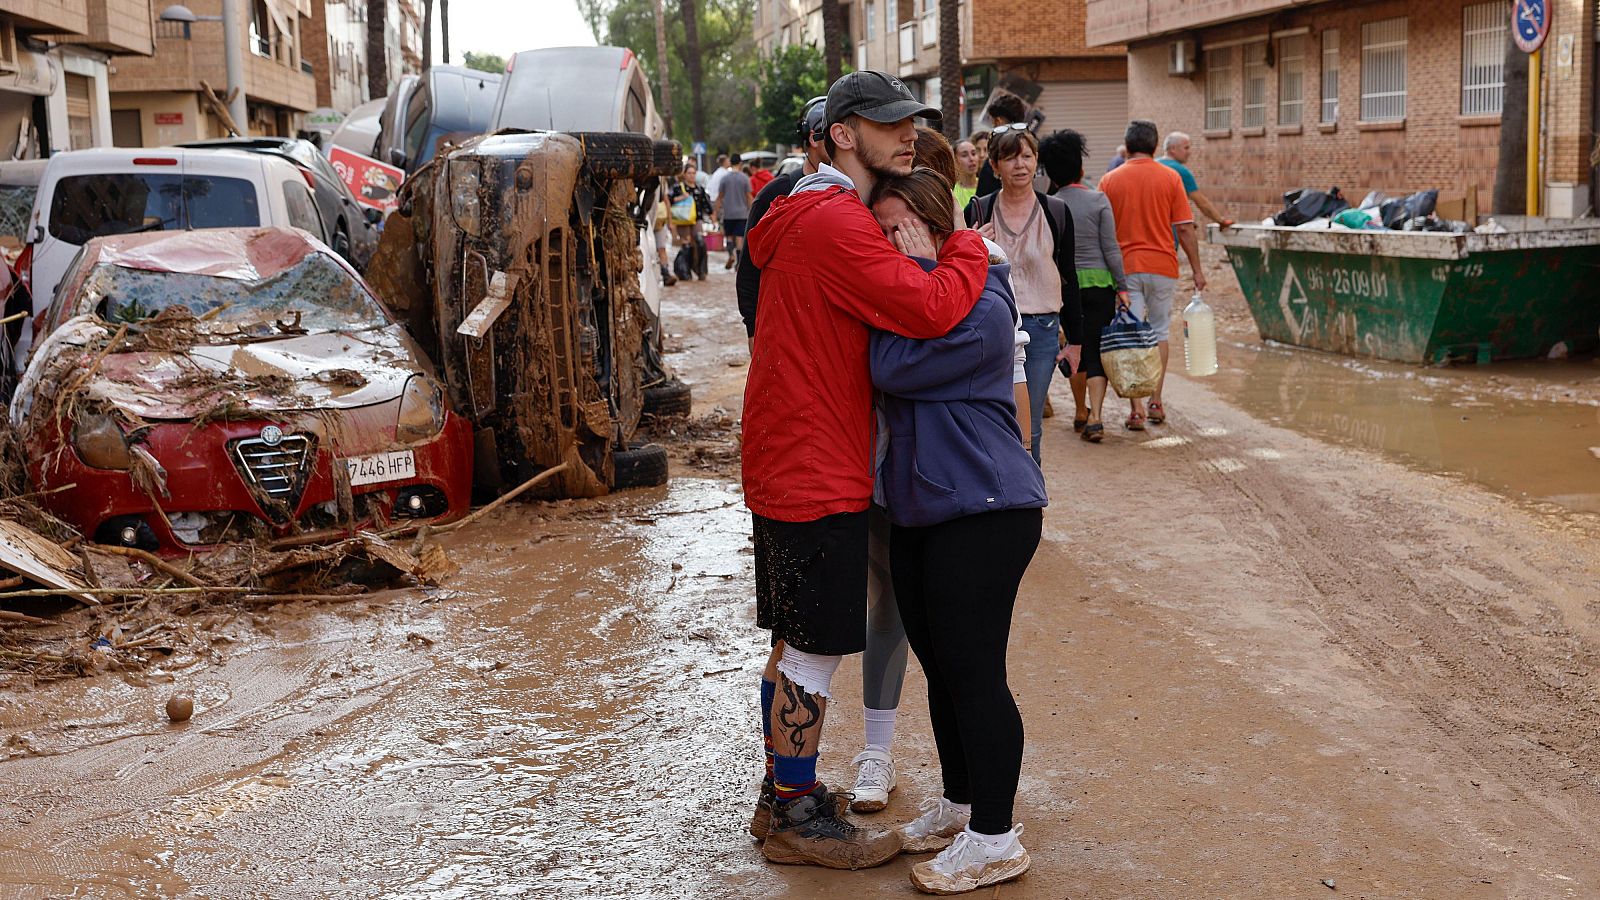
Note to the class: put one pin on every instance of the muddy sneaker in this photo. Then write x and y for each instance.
(812, 830)
(761, 821)
(938, 825)
(874, 780)
(969, 864)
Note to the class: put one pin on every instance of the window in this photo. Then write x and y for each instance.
(1330, 76)
(1483, 42)
(86, 206)
(1255, 85)
(1291, 79)
(1383, 70)
(260, 29)
(1219, 89)
(80, 111)
(870, 10)
(302, 209)
(891, 15)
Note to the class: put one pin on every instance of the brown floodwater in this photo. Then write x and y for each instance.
(1499, 425)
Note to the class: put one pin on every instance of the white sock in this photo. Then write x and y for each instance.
(879, 727)
(996, 842)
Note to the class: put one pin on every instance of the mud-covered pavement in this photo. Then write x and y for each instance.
(1260, 647)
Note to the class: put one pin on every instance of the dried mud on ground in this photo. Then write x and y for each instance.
(1250, 663)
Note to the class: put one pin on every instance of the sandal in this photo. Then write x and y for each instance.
(1095, 433)
(1078, 424)
(1135, 422)
(1158, 413)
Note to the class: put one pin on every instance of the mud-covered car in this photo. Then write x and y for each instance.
(516, 259)
(200, 387)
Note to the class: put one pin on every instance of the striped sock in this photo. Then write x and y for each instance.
(768, 691)
(793, 776)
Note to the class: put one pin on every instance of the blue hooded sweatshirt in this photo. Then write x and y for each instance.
(954, 446)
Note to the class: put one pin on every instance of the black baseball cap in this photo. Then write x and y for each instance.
(877, 97)
(811, 124)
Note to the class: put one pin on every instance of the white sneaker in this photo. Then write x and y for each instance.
(874, 780)
(938, 825)
(969, 864)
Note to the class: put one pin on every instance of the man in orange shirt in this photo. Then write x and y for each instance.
(1148, 202)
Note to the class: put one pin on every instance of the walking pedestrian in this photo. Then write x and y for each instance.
(1005, 109)
(662, 224)
(1176, 150)
(1118, 158)
(1102, 286)
(1148, 203)
(689, 208)
(1035, 230)
(967, 163)
(964, 499)
(733, 208)
(713, 186)
(829, 275)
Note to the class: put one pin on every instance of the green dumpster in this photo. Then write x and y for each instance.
(1422, 297)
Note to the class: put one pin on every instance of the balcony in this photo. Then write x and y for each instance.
(115, 26)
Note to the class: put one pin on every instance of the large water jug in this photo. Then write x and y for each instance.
(1199, 337)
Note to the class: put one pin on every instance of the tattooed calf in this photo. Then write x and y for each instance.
(799, 712)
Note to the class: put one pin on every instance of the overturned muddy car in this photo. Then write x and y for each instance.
(205, 387)
(516, 261)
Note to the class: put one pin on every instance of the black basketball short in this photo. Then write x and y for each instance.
(811, 582)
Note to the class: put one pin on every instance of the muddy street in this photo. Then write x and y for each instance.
(1331, 631)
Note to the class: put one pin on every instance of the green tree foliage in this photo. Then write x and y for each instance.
(728, 61)
(793, 75)
(485, 62)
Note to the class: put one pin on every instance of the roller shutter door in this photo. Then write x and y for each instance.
(1098, 110)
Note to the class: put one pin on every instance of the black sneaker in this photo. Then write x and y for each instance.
(813, 830)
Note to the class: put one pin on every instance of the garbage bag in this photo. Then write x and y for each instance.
(1129, 355)
(683, 264)
(1300, 207)
(1401, 209)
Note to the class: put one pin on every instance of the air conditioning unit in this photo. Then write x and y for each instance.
(1180, 58)
(8, 47)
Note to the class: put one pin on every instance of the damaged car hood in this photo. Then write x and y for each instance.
(323, 371)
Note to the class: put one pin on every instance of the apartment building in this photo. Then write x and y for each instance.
(54, 70)
(1035, 48)
(1383, 95)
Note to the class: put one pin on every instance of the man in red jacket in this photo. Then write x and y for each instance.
(829, 275)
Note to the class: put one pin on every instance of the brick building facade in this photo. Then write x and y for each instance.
(1037, 47)
(1379, 95)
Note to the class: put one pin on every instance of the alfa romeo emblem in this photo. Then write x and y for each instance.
(272, 435)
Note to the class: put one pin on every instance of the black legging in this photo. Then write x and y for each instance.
(956, 583)
(1099, 308)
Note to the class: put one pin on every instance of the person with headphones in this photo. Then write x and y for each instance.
(808, 136)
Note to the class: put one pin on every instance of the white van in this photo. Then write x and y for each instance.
(89, 193)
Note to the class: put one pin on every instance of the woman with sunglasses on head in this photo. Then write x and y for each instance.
(1035, 230)
(964, 501)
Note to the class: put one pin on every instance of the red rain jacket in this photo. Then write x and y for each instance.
(829, 276)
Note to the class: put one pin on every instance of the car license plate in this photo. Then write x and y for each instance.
(396, 465)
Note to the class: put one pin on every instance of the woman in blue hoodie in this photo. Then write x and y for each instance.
(964, 499)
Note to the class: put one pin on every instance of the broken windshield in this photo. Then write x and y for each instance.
(314, 295)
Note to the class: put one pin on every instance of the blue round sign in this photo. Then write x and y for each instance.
(1530, 23)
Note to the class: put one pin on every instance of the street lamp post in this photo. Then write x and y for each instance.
(231, 52)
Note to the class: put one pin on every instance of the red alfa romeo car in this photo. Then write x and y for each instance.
(198, 387)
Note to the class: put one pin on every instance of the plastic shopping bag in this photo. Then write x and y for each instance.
(683, 210)
(1129, 355)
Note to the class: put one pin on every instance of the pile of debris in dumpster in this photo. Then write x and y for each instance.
(1420, 211)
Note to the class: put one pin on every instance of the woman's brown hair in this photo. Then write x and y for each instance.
(926, 192)
(934, 152)
(1008, 142)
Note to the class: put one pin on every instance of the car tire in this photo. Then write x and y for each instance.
(640, 465)
(628, 155)
(669, 398)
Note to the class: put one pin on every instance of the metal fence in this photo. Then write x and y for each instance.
(1483, 42)
(1219, 88)
(1330, 75)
